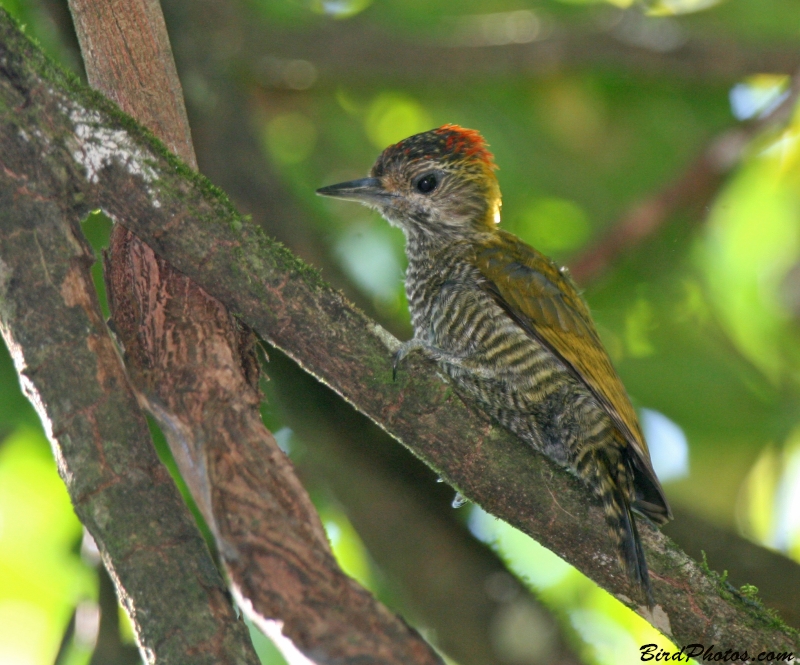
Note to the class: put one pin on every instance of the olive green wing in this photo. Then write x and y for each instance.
(543, 301)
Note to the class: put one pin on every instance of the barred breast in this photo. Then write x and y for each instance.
(516, 379)
(524, 386)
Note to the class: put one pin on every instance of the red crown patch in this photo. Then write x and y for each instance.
(467, 143)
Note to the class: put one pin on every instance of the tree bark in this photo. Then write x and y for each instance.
(72, 373)
(456, 585)
(194, 227)
(195, 369)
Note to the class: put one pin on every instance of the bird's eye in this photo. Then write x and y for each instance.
(427, 183)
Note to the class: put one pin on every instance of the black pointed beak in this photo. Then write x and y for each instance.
(366, 190)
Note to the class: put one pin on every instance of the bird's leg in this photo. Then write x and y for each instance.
(411, 345)
(421, 345)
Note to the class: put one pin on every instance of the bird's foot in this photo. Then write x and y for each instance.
(406, 348)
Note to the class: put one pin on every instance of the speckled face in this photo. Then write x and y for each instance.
(441, 180)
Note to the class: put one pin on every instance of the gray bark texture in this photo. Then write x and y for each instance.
(194, 367)
(447, 579)
(91, 156)
(71, 371)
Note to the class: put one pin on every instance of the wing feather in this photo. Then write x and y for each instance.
(544, 302)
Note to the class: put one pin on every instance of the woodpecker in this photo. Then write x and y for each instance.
(509, 326)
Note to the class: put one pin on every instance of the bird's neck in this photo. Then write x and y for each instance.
(433, 254)
(424, 244)
(421, 244)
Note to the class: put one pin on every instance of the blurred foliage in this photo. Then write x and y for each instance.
(43, 578)
(701, 320)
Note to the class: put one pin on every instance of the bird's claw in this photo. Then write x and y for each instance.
(396, 358)
(402, 352)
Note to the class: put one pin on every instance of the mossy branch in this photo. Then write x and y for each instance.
(52, 128)
(70, 369)
(194, 367)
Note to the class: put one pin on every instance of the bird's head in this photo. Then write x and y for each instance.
(440, 182)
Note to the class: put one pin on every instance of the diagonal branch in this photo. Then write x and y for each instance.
(456, 585)
(194, 367)
(71, 371)
(193, 226)
(695, 188)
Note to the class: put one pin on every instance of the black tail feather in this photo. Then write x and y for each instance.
(616, 491)
(638, 571)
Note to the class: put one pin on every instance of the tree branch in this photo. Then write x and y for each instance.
(776, 576)
(695, 188)
(70, 370)
(457, 586)
(195, 369)
(195, 228)
(127, 56)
